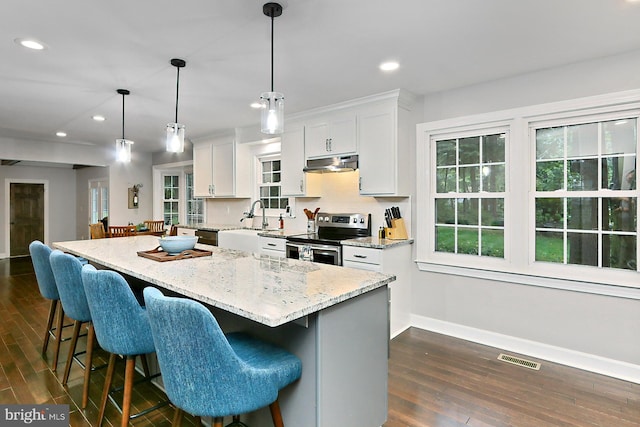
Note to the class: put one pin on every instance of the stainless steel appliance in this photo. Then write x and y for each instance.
(324, 245)
(207, 237)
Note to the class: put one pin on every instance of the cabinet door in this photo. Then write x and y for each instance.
(294, 181)
(377, 152)
(223, 169)
(343, 135)
(316, 142)
(202, 170)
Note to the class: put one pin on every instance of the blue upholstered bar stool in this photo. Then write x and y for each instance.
(208, 373)
(49, 290)
(67, 270)
(122, 328)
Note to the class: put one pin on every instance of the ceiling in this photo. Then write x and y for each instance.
(326, 51)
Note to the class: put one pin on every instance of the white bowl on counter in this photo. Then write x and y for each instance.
(174, 245)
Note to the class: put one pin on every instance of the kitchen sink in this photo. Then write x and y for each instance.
(244, 239)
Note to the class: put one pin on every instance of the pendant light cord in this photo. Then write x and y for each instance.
(272, 17)
(177, 91)
(123, 116)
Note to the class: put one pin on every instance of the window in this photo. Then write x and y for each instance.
(543, 195)
(171, 199)
(98, 200)
(269, 184)
(469, 197)
(585, 199)
(195, 206)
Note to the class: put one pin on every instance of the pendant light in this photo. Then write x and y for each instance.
(272, 103)
(175, 131)
(123, 146)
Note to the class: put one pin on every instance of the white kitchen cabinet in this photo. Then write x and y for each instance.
(332, 134)
(296, 183)
(391, 260)
(386, 143)
(220, 169)
(273, 246)
(183, 231)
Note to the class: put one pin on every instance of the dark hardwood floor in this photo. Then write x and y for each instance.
(434, 380)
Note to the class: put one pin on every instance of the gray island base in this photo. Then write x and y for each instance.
(335, 319)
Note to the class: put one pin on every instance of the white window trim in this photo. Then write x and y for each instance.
(518, 267)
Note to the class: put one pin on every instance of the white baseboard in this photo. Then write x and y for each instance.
(3, 255)
(588, 362)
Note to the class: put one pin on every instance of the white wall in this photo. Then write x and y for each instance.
(592, 331)
(123, 176)
(62, 200)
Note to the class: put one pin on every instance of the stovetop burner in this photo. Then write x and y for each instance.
(332, 228)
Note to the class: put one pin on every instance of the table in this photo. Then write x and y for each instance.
(335, 319)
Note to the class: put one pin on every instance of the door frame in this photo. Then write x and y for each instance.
(7, 209)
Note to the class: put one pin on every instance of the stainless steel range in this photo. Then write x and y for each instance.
(324, 246)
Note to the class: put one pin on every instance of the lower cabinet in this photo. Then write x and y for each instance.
(273, 246)
(182, 231)
(394, 260)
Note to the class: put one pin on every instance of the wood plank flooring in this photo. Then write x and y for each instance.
(434, 380)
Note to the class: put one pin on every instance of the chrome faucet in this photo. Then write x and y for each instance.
(250, 214)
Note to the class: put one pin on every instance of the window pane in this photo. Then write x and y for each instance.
(619, 213)
(266, 166)
(445, 239)
(493, 148)
(276, 177)
(549, 213)
(493, 243)
(493, 212)
(550, 143)
(582, 248)
(445, 213)
(446, 178)
(446, 152)
(468, 241)
(583, 175)
(266, 178)
(549, 176)
(619, 136)
(582, 140)
(469, 179)
(493, 178)
(468, 211)
(264, 192)
(619, 251)
(276, 165)
(469, 150)
(618, 173)
(549, 246)
(582, 213)
(274, 191)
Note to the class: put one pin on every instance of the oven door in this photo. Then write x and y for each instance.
(325, 254)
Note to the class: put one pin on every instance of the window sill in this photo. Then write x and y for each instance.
(626, 292)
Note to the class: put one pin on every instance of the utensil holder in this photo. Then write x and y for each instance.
(311, 226)
(397, 231)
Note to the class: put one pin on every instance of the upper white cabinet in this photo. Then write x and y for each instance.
(220, 169)
(386, 141)
(332, 134)
(294, 181)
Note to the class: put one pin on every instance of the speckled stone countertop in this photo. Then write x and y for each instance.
(375, 242)
(269, 290)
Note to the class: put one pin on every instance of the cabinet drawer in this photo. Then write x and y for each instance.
(186, 231)
(362, 255)
(272, 243)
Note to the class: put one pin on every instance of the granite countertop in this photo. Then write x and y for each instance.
(269, 290)
(375, 242)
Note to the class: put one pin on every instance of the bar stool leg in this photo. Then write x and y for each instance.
(177, 417)
(58, 336)
(107, 386)
(128, 386)
(47, 332)
(275, 414)
(217, 422)
(88, 364)
(72, 350)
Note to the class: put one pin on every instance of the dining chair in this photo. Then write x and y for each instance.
(154, 226)
(97, 230)
(48, 289)
(208, 373)
(122, 328)
(67, 271)
(122, 230)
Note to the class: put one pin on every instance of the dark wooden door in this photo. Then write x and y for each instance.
(26, 222)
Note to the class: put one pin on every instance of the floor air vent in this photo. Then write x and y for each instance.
(518, 361)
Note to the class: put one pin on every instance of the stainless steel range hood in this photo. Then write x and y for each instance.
(332, 164)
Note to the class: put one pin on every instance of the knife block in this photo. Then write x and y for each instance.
(397, 231)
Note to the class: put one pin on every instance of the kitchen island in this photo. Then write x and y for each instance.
(335, 319)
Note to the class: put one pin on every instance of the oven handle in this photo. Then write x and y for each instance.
(315, 247)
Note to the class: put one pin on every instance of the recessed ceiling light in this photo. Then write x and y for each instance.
(98, 118)
(61, 134)
(256, 105)
(30, 43)
(389, 66)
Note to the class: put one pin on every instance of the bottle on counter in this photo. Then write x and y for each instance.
(281, 223)
(381, 233)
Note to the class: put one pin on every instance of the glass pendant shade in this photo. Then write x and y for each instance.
(272, 114)
(175, 138)
(123, 150)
